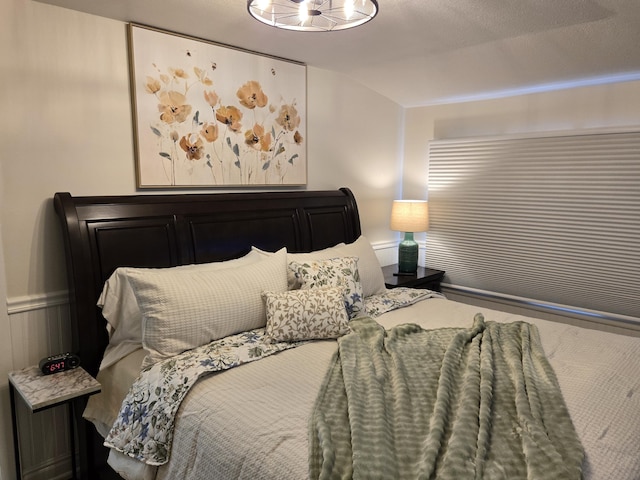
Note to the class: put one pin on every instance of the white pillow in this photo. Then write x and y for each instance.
(371, 275)
(120, 307)
(302, 257)
(184, 309)
(318, 313)
(333, 272)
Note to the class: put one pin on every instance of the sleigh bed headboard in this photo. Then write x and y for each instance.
(105, 232)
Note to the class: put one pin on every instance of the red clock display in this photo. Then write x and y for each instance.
(56, 366)
(59, 363)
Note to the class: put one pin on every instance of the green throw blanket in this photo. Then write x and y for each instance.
(450, 403)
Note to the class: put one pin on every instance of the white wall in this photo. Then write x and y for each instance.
(67, 127)
(5, 366)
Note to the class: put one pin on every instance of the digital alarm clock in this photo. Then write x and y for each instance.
(59, 363)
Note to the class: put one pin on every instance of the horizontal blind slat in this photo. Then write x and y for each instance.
(552, 218)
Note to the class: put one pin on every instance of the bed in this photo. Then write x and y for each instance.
(253, 421)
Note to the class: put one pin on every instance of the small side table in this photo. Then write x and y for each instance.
(428, 278)
(40, 392)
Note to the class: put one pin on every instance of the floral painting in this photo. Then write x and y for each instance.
(211, 115)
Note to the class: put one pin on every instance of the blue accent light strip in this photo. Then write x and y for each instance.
(544, 87)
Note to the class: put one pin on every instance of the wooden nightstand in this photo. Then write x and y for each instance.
(428, 278)
(40, 392)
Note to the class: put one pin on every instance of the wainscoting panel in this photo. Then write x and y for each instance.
(39, 326)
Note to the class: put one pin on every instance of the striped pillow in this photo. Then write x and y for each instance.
(183, 309)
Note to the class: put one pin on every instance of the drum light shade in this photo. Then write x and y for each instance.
(313, 15)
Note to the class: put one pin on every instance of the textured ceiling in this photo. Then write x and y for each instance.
(422, 52)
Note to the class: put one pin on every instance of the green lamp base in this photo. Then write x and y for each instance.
(408, 255)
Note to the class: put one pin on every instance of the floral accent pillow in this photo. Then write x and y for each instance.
(306, 314)
(333, 272)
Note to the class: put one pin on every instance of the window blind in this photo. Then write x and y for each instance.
(549, 218)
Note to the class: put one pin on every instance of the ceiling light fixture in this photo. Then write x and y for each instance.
(313, 15)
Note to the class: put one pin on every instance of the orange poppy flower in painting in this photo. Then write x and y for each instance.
(202, 76)
(230, 116)
(173, 107)
(179, 73)
(288, 118)
(251, 138)
(192, 145)
(251, 95)
(256, 138)
(209, 132)
(265, 142)
(297, 138)
(152, 85)
(211, 98)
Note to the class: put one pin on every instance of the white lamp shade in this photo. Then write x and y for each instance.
(410, 216)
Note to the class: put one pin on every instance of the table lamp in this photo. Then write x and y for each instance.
(409, 216)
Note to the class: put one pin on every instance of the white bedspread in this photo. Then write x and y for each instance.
(251, 422)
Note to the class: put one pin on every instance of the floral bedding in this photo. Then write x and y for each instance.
(144, 427)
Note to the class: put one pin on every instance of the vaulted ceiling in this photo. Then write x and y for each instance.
(422, 52)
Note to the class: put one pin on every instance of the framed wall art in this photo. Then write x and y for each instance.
(209, 115)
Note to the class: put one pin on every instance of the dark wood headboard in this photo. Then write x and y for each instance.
(105, 232)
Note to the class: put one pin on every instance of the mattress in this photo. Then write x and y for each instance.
(251, 422)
